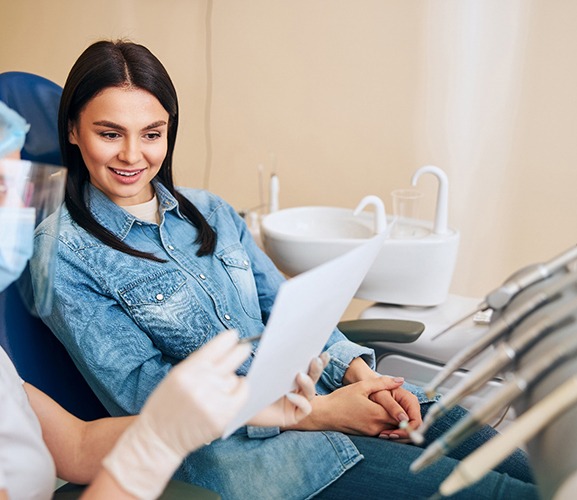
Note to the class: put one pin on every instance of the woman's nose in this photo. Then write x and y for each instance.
(130, 152)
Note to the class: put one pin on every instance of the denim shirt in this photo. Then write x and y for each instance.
(126, 321)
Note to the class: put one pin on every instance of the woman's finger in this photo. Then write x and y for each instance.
(383, 383)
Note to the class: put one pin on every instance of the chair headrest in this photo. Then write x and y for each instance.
(36, 99)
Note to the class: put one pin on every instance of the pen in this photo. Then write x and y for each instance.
(480, 462)
(254, 338)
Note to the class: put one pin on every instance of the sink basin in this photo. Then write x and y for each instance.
(414, 272)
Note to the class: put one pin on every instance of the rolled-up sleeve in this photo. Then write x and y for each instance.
(342, 352)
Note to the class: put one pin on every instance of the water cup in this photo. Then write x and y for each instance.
(406, 214)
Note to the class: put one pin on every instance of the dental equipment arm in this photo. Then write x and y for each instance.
(518, 281)
(505, 396)
(524, 304)
(475, 466)
(530, 332)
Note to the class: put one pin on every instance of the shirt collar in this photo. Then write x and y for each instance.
(117, 220)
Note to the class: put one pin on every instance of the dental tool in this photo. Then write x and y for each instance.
(260, 170)
(273, 193)
(503, 397)
(525, 303)
(480, 462)
(518, 281)
(531, 331)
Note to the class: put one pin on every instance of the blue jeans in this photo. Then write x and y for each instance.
(384, 473)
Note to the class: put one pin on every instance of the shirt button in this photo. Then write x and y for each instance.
(227, 317)
(202, 276)
(159, 296)
(170, 247)
(138, 223)
(245, 262)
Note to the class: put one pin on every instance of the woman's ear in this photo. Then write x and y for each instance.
(72, 134)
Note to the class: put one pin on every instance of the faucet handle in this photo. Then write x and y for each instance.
(380, 215)
(442, 210)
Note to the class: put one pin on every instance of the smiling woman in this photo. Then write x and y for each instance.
(122, 136)
(106, 72)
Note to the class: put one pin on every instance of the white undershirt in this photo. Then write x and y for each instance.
(27, 469)
(147, 211)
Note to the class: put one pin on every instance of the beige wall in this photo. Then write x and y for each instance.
(348, 98)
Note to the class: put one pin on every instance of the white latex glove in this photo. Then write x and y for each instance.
(296, 405)
(189, 408)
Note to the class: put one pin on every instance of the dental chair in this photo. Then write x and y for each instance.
(38, 355)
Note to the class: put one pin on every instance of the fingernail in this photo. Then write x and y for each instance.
(402, 417)
(384, 436)
(398, 379)
(294, 398)
(394, 436)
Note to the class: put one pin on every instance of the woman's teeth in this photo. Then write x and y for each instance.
(126, 174)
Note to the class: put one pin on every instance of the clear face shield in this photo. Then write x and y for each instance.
(29, 194)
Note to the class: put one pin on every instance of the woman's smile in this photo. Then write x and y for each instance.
(127, 176)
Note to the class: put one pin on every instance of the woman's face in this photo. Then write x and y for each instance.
(122, 136)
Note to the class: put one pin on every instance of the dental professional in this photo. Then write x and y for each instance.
(148, 273)
(122, 457)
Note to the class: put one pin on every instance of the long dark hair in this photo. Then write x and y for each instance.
(119, 63)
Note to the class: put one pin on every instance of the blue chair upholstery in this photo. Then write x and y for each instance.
(36, 99)
(41, 359)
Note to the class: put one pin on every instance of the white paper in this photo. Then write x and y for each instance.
(307, 309)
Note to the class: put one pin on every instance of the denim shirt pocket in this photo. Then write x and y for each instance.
(163, 305)
(236, 262)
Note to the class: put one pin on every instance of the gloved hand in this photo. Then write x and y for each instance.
(192, 407)
(13, 129)
(294, 406)
(189, 408)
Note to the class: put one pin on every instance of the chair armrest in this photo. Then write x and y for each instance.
(362, 331)
(175, 490)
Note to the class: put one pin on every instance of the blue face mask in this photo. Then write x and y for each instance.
(16, 242)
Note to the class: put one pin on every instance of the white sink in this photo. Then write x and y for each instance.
(415, 272)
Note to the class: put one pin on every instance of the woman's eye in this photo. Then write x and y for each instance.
(110, 135)
(152, 136)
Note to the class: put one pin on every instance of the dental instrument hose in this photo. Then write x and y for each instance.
(521, 307)
(551, 317)
(512, 389)
(480, 462)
